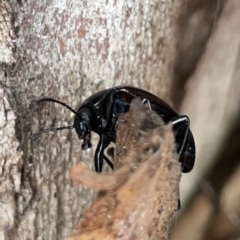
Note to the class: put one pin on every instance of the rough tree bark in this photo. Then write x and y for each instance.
(68, 50)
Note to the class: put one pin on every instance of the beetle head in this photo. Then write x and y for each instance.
(82, 125)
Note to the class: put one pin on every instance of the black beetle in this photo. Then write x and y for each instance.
(100, 112)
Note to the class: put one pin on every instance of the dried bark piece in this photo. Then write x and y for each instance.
(139, 135)
(136, 201)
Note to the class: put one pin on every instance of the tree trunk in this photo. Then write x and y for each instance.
(68, 50)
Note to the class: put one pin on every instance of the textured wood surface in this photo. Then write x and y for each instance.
(68, 50)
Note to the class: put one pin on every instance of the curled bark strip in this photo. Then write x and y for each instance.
(81, 174)
(136, 201)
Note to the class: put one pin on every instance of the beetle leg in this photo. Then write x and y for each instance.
(99, 154)
(181, 125)
(102, 144)
(181, 130)
(144, 101)
(108, 162)
(184, 142)
(110, 151)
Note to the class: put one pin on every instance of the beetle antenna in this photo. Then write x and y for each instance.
(56, 101)
(34, 135)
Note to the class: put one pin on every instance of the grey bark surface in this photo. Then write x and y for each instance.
(68, 50)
